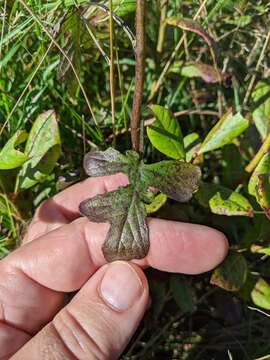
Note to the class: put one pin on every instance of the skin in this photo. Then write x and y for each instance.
(61, 252)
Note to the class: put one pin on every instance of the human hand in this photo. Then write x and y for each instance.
(61, 253)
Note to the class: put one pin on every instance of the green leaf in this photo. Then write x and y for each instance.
(124, 208)
(124, 7)
(232, 273)
(42, 150)
(156, 204)
(224, 132)
(182, 293)
(260, 294)
(192, 145)
(223, 201)
(165, 134)
(261, 112)
(262, 168)
(260, 250)
(10, 158)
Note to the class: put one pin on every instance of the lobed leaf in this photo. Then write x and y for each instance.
(224, 132)
(102, 163)
(42, 151)
(165, 134)
(231, 275)
(128, 234)
(176, 179)
(10, 158)
(124, 208)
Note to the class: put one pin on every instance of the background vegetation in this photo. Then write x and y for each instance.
(213, 74)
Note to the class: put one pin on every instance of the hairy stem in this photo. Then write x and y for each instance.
(139, 76)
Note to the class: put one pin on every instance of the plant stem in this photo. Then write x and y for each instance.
(139, 75)
(262, 151)
(112, 77)
(162, 25)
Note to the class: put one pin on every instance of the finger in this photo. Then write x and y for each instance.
(65, 259)
(99, 321)
(64, 207)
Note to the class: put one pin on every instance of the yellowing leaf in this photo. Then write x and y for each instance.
(263, 193)
(207, 72)
(260, 294)
(223, 201)
(156, 204)
(262, 168)
(232, 273)
(224, 132)
(165, 134)
(10, 158)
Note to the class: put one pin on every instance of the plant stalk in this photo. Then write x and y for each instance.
(112, 75)
(257, 158)
(139, 75)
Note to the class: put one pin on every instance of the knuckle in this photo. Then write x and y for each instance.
(78, 340)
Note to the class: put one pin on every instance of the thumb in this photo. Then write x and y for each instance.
(98, 322)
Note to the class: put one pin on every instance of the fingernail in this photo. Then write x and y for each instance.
(121, 286)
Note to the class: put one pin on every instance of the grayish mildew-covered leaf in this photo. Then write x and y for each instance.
(124, 208)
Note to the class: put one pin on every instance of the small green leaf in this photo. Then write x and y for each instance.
(182, 293)
(156, 204)
(260, 294)
(232, 273)
(223, 201)
(165, 134)
(224, 132)
(206, 72)
(261, 112)
(42, 150)
(124, 7)
(10, 158)
(262, 168)
(192, 145)
(260, 250)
